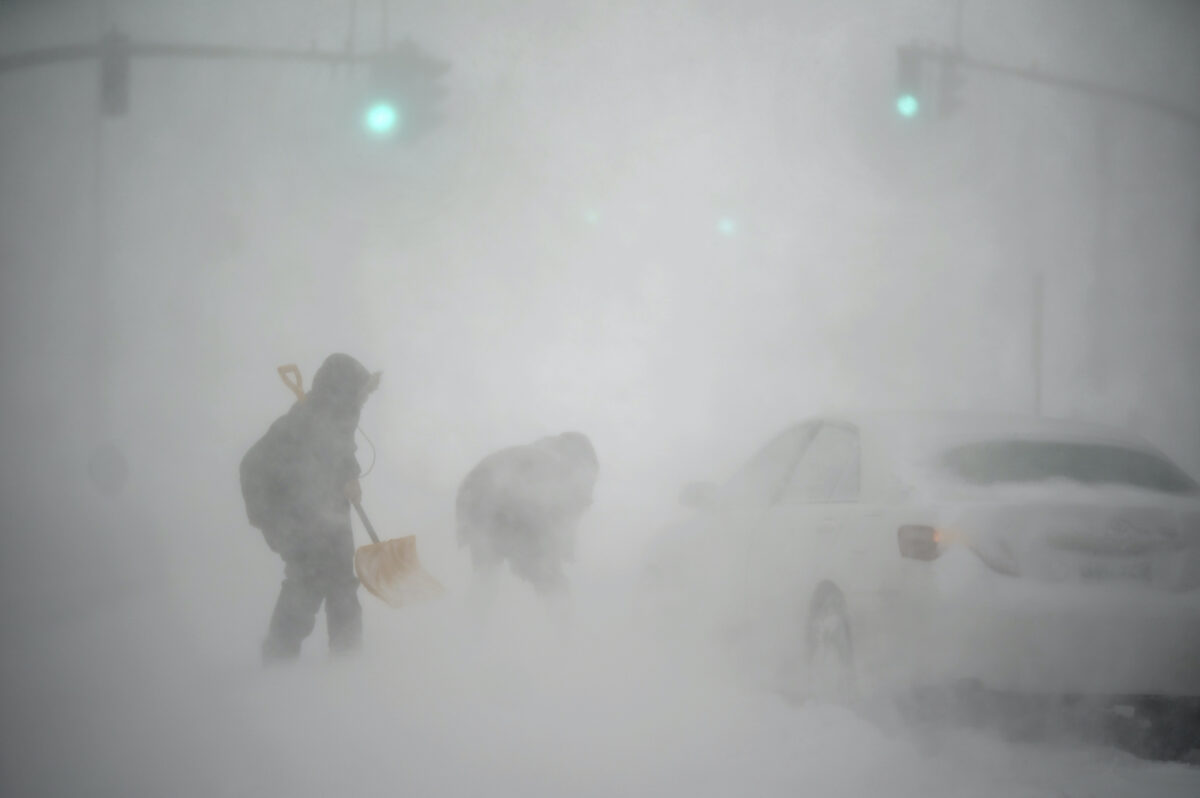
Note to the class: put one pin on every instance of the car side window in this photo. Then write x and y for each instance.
(761, 480)
(829, 470)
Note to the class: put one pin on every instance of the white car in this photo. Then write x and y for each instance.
(1022, 554)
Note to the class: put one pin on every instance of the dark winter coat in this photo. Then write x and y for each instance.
(523, 503)
(293, 479)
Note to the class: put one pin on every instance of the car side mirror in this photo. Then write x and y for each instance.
(698, 495)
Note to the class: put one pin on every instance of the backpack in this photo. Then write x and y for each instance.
(257, 489)
(263, 488)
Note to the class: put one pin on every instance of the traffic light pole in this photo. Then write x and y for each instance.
(85, 52)
(1100, 299)
(113, 52)
(1100, 302)
(399, 72)
(1038, 337)
(956, 57)
(101, 343)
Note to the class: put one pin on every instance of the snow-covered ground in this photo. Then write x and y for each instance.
(117, 701)
(130, 667)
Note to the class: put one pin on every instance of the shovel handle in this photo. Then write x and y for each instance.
(362, 516)
(290, 374)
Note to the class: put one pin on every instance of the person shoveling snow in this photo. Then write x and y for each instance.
(299, 481)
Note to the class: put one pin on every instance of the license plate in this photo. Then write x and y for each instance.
(1138, 571)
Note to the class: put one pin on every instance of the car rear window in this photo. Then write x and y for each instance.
(992, 462)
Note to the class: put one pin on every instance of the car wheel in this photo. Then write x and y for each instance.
(829, 648)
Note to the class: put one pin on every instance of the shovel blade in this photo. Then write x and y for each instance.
(390, 569)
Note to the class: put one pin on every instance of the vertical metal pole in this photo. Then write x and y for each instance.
(1039, 311)
(1100, 296)
(958, 25)
(99, 327)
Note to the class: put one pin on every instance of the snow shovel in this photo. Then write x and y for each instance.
(390, 569)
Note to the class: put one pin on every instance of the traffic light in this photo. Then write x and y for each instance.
(908, 81)
(114, 74)
(405, 89)
(382, 118)
(950, 88)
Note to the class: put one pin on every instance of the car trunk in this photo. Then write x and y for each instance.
(1144, 540)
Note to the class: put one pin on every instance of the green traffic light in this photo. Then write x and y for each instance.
(382, 118)
(907, 106)
(727, 226)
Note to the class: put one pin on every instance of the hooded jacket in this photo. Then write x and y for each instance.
(293, 479)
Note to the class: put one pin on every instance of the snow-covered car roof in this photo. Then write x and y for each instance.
(900, 448)
(949, 428)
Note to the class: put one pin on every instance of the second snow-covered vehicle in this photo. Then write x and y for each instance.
(1023, 554)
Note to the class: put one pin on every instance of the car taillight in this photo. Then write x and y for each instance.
(920, 542)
